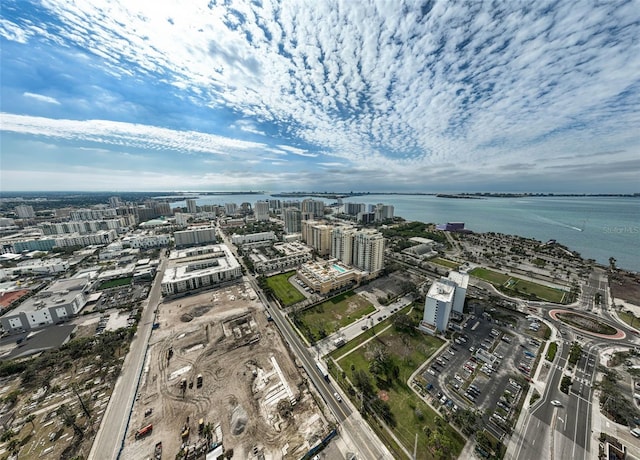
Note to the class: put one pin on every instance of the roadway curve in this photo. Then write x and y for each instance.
(619, 335)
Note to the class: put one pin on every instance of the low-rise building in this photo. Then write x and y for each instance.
(253, 238)
(290, 255)
(146, 240)
(62, 300)
(326, 276)
(199, 268)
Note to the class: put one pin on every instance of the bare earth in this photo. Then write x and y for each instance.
(253, 395)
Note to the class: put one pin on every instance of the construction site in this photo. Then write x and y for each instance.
(219, 382)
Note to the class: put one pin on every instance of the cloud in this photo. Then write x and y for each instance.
(297, 151)
(494, 89)
(125, 134)
(41, 98)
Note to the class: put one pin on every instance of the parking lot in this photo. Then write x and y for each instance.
(485, 367)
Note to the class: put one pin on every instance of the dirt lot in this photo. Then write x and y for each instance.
(252, 394)
(625, 286)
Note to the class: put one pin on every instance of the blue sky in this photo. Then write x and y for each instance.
(320, 95)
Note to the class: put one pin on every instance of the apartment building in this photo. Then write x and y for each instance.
(199, 268)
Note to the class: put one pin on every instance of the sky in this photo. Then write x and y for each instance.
(320, 95)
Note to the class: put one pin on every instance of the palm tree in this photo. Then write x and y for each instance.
(30, 418)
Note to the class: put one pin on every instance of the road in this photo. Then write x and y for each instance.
(110, 438)
(351, 424)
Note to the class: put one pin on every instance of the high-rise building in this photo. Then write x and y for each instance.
(314, 207)
(275, 205)
(191, 206)
(342, 244)
(461, 281)
(292, 220)
(383, 212)
(444, 296)
(195, 236)
(437, 306)
(94, 214)
(230, 209)
(353, 209)
(25, 212)
(261, 210)
(368, 251)
(317, 235)
(114, 202)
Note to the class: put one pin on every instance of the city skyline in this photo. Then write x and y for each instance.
(389, 96)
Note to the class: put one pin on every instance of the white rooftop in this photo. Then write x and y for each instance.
(441, 292)
(461, 279)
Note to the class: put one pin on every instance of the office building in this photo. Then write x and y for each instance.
(292, 220)
(25, 212)
(191, 206)
(195, 236)
(275, 205)
(261, 210)
(199, 268)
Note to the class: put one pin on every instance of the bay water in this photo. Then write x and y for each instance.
(596, 227)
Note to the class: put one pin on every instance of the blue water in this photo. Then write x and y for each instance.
(339, 268)
(596, 227)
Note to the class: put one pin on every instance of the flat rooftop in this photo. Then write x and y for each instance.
(461, 279)
(59, 292)
(441, 292)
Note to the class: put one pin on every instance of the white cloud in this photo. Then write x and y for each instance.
(41, 98)
(125, 134)
(373, 84)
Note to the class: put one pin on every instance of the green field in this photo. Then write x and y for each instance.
(328, 317)
(445, 263)
(519, 287)
(115, 283)
(286, 293)
(489, 275)
(629, 318)
(405, 352)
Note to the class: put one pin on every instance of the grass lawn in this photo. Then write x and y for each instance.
(445, 263)
(629, 318)
(115, 283)
(517, 286)
(489, 275)
(408, 351)
(543, 292)
(286, 293)
(328, 317)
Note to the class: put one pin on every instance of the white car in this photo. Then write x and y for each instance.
(556, 403)
(337, 396)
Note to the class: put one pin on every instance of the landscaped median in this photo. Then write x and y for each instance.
(518, 287)
(551, 351)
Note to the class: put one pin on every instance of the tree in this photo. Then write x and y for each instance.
(69, 420)
(30, 418)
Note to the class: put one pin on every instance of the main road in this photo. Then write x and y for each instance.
(351, 424)
(110, 438)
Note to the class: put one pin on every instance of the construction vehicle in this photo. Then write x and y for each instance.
(144, 431)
